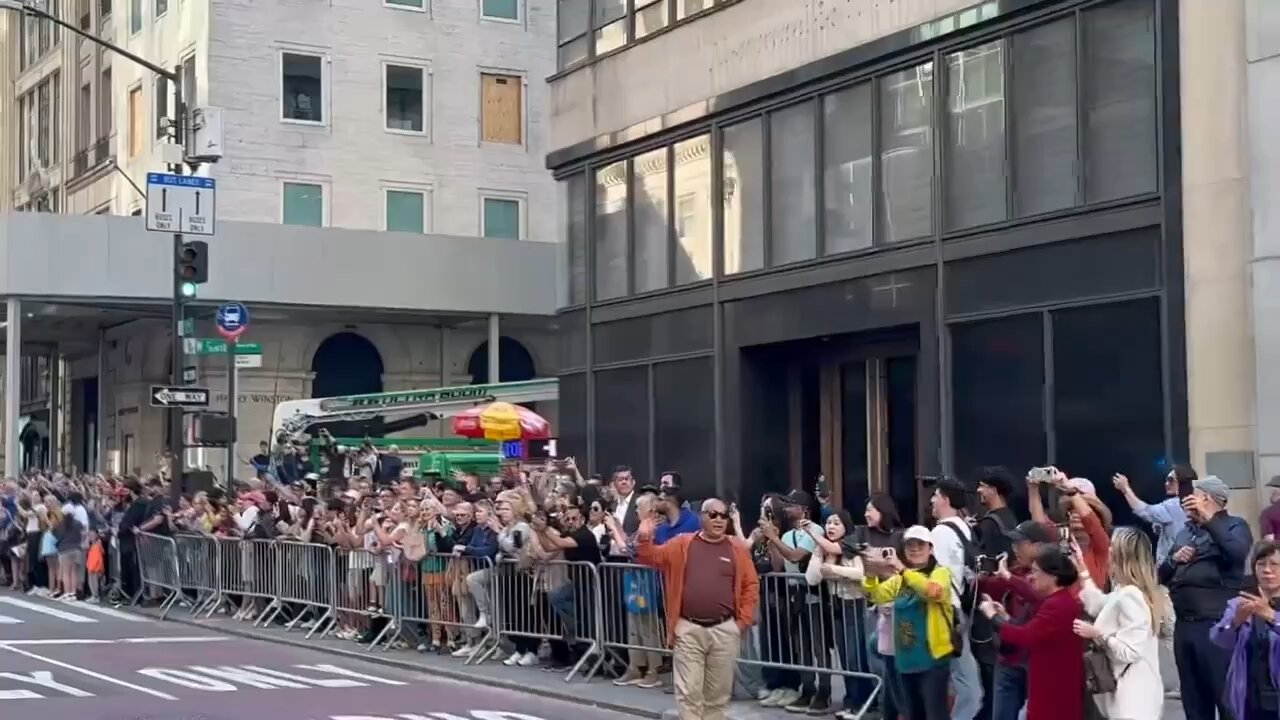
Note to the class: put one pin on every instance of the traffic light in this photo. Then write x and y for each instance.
(193, 263)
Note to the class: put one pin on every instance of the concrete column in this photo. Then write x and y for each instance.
(55, 408)
(495, 337)
(12, 385)
(1262, 44)
(1216, 245)
(100, 447)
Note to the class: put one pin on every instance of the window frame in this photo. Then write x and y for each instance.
(135, 28)
(422, 65)
(517, 20)
(158, 13)
(523, 77)
(142, 121)
(426, 191)
(161, 133)
(325, 103)
(425, 8)
(522, 204)
(323, 183)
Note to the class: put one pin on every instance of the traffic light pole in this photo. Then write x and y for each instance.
(177, 434)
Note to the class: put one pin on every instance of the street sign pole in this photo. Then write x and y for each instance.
(177, 359)
(232, 403)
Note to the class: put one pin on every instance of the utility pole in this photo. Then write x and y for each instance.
(177, 431)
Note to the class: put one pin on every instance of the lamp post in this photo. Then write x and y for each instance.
(177, 442)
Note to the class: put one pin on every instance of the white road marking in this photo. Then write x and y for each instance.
(117, 641)
(111, 612)
(87, 672)
(6, 620)
(46, 610)
(44, 679)
(349, 673)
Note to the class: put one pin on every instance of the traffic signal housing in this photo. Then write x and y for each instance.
(193, 262)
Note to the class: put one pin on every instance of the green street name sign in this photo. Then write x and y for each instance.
(209, 346)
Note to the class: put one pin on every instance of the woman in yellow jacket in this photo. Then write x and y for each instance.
(919, 590)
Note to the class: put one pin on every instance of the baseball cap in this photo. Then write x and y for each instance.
(1082, 486)
(1030, 531)
(798, 497)
(917, 532)
(1274, 482)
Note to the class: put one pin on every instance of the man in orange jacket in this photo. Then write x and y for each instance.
(711, 590)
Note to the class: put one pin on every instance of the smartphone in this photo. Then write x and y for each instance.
(1064, 538)
(989, 564)
(888, 553)
(1042, 474)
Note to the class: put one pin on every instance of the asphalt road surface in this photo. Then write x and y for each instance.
(75, 661)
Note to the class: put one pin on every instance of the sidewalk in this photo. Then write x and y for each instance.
(653, 704)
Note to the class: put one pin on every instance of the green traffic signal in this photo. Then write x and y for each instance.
(188, 289)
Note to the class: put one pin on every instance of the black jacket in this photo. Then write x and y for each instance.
(1201, 588)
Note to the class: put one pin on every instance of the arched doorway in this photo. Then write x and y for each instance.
(514, 362)
(347, 364)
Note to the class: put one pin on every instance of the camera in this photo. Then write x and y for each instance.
(989, 564)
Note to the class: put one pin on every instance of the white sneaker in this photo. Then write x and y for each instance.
(529, 660)
(483, 622)
(464, 651)
(763, 695)
(513, 660)
(771, 700)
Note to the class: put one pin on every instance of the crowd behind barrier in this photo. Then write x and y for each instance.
(597, 615)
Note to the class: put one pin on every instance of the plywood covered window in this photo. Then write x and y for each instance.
(501, 109)
(136, 113)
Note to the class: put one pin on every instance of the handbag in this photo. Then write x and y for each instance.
(414, 546)
(1099, 675)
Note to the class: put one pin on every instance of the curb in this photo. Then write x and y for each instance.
(566, 695)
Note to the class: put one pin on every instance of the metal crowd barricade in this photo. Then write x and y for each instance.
(557, 601)
(358, 599)
(198, 569)
(158, 565)
(801, 626)
(246, 579)
(633, 625)
(432, 602)
(304, 585)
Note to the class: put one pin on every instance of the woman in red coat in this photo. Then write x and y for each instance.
(1055, 654)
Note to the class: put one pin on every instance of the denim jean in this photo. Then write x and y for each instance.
(562, 602)
(966, 683)
(399, 599)
(1010, 686)
(851, 644)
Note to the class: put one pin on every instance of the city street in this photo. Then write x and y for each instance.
(84, 662)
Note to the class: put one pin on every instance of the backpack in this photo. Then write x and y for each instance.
(965, 586)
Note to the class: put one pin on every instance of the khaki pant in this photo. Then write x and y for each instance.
(704, 662)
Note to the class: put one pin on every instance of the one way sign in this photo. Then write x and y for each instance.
(187, 397)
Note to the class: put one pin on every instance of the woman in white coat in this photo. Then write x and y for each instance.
(1126, 624)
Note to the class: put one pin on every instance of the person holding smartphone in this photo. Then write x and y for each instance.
(1167, 518)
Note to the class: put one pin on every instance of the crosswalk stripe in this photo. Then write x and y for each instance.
(50, 611)
(6, 620)
(110, 612)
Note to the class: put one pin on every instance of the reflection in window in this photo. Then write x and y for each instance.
(303, 204)
(611, 231)
(650, 18)
(406, 211)
(743, 196)
(651, 223)
(846, 168)
(622, 419)
(1108, 408)
(302, 91)
(975, 182)
(685, 8)
(684, 422)
(1043, 92)
(794, 192)
(573, 19)
(693, 209)
(1120, 100)
(906, 153)
(610, 22)
(997, 386)
(574, 205)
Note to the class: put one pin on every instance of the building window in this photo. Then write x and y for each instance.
(84, 118)
(742, 167)
(610, 24)
(793, 185)
(302, 88)
(692, 191)
(303, 204)
(574, 206)
(55, 117)
(502, 109)
(136, 114)
(500, 217)
(406, 4)
(652, 220)
(189, 88)
(573, 19)
(847, 148)
(906, 154)
(106, 107)
(651, 17)
(500, 9)
(162, 106)
(1046, 165)
(1120, 100)
(611, 231)
(405, 98)
(162, 7)
(406, 211)
(976, 192)
(135, 17)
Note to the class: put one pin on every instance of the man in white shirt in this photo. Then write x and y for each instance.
(950, 534)
(624, 511)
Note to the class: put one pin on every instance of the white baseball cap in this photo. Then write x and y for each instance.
(918, 532)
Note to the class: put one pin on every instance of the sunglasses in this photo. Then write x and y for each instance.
(717, 515)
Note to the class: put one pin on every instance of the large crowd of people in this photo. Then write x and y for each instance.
(1045, 612)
